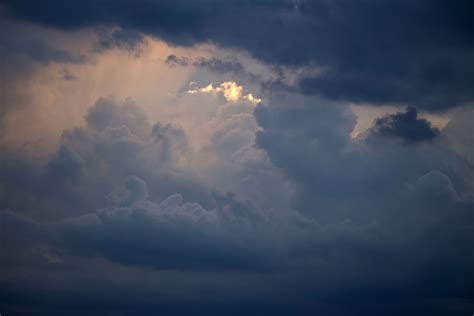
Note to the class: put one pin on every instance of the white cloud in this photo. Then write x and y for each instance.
(231, 91)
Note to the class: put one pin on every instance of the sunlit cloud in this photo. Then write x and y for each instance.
(230, 90)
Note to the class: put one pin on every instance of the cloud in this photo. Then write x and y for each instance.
(117, 141)
(230, 90)
(25, 50)
(28, 41)
(175, 60)
(336, 175)
(174, 242)
(345, 246)
(67, 75)
(220, 66)
(460, 133)
(230, 203)
(404, 126)
(106, 114)
(213, 152)
(216, 65)
(171, 234)
(389, 52)
(436, 186)
(127, 39)
(401, 188)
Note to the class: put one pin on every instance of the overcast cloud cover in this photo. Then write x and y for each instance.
(237, 158)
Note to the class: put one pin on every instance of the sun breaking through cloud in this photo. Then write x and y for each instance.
(172, 157)
(230, 90)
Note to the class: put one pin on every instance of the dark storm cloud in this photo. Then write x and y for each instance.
(169, 235)
(334, 268)
(116, 221)
(419, 53)
(66, 165)
(220, 66)
(405, 126)
(215, 65)
(388, 218)
(401, 188)
(175, 60)
(129, 40)
(336, 174)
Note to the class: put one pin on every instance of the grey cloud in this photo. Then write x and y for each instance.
(106, 114)
(404, 189)
(24, 50)
(369, 218)
(220, 66)
(171, 234)
(404, 126)
(172, 139)
(126, 39)
(460, 133)
(336, 175)
(113, 223)
(436, 186)
(215, 65)
(66, 165)
(116, 142)
(333, 262)
(43, 53)
(29, 41)
(175, 60)
(137, 191)
(385, 52)
(67, 75)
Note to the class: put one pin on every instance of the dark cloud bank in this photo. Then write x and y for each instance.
(390, 51)
(381, 224)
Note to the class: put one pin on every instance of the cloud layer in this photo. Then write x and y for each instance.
(176, 158)
(385, 52)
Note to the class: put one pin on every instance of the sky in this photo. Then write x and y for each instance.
(282, 157)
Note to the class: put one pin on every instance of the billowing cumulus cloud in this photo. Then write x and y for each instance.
(120, 194)
(168, 157)
(338, 174)
(459, 131)
(117, 141)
